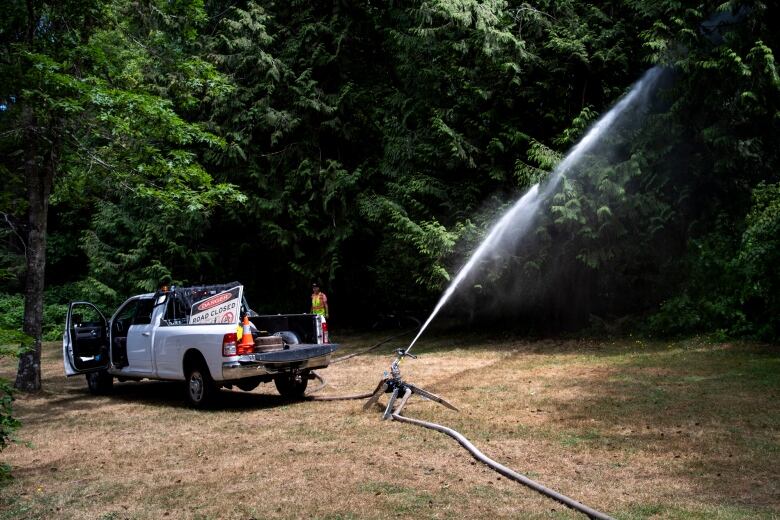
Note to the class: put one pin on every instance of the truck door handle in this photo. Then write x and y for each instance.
(146, 334)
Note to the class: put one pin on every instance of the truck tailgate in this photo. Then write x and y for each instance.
(302, 356)
(295, 353)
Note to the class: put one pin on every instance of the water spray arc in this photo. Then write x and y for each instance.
(518, 219)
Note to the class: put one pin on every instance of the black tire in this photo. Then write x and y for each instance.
(100, 382)
(292, 385)
(200, 389)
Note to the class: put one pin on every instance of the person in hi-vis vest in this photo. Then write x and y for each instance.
(319, 302)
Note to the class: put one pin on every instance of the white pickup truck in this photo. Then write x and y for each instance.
(192, 334)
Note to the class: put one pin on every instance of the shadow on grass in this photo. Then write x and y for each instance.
(170, 394)
(162, 394)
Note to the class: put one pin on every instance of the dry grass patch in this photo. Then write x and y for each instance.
(684, 430)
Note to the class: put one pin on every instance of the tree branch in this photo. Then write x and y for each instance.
(15, 232)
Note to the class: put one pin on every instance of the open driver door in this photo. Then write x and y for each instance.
(85, 342)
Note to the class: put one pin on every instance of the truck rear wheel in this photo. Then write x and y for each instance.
(200, 388)
(100, 383)
(292, 385)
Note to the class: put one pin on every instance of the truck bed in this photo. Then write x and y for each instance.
(303, 325)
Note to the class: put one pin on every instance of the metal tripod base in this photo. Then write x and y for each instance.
(398, 387)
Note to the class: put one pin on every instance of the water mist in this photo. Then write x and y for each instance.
(516, 222)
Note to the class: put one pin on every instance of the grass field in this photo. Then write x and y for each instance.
(635, 429)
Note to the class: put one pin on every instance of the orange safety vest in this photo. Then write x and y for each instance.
(318, 302)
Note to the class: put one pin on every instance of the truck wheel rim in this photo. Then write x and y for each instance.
(196, 386)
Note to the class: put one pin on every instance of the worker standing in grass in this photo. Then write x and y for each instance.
(319, 302)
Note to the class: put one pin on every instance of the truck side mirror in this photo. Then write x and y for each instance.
(76, 319)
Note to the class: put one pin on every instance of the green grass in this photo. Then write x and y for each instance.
(569, 439)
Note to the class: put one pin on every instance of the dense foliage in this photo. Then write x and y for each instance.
(12, 343)
(370, 146)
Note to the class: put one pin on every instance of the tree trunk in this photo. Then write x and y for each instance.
(38, 178)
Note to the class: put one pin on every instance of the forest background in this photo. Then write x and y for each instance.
(369, 145)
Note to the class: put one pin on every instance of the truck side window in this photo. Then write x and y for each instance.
(127, 312)
(176, 313)
(124, 317)
(87, 317)
(143, 314)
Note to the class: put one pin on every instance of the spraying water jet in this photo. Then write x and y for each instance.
(516, 222)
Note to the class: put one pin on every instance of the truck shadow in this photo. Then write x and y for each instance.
(171, 394)
(161, 394)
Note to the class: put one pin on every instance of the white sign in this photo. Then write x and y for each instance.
(223, 307)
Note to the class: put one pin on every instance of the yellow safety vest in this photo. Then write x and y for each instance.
(317, 304)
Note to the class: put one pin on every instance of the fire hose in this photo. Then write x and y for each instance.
(463, 441)
(324, 383)
(397, 383)
(503, 470)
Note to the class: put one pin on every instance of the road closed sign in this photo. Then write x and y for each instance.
(223, 307)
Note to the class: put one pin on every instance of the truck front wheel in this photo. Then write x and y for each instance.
(201, 390)
(292, 385)
(100, 383)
